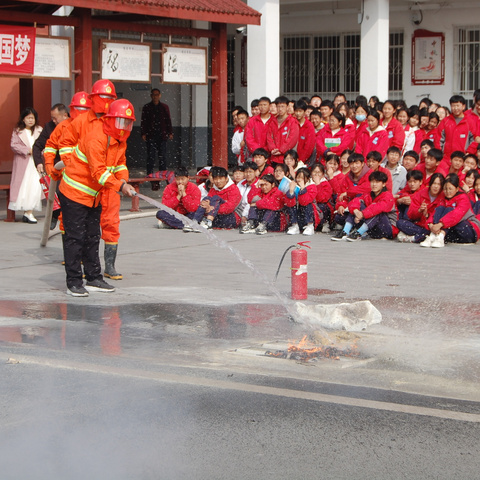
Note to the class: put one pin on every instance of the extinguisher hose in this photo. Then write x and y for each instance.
(281, 261)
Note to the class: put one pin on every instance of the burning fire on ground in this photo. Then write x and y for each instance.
(308, 348)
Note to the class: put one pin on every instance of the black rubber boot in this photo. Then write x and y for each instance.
(109, 256)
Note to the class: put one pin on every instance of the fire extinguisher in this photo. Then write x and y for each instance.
(299, 270)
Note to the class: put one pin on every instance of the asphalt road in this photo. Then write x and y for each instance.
(76, 420)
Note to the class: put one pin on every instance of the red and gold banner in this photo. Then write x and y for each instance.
(17, 50)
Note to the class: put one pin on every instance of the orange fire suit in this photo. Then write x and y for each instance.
(111, 201)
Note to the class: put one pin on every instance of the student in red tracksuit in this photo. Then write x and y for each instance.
(334, 174)
(474, 196)
(404, 196)
(323, 200)
(374, 159)
(457, 131)
(265, 208)
(457, 161)
(355, 184)
(432, 132)
(375, 137)
(300, 201)
(334, 137)
(430, 166)
(394, 128)
(306, 134)
(182, 196)
(282, 134)
(414, 228)
(257, 127)
(217, 209)
(260, 157)
(454, 220)
(373, 212)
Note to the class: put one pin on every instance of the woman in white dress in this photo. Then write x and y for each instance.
(25, 189)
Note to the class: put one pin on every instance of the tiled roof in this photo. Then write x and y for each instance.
(221, 11)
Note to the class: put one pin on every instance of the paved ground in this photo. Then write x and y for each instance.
(191, 321)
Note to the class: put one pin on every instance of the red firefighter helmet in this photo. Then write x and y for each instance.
(121, 108)
(118, 122)
(104, 87)
(81, 100)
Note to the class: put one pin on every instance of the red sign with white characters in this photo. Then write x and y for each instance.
(17, 50)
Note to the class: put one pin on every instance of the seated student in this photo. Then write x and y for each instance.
(344, 165)
(425, 146)
(414, 130)
(374, 212)
(306, 135)
(432, 131)
(354, 184)
(217, 209)
(323, 200)
(374, 159)
(333, 174)
(453, 221)
(334, 137)
(300, 205)
(239, 147)
(410, 160)
(293, 163)
(238, 173)
(404, 196)
(474, 196)
(375, 137)
(182, 196)
(397, 172)
(247, 185)
(469, 163)
(265, 209)
(429, 167)
(260, 157)
(456, 165)
(414, 228)
(469, 180)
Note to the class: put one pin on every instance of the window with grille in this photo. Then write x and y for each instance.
(327, 64)
(467, 58)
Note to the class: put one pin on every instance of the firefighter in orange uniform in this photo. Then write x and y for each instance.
(103, 93)
(97, 164)
(79, 105)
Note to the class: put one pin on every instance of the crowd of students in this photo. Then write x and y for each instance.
(368, 170)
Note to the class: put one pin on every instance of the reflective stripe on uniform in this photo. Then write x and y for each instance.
(50, 150)
(104, 177)
(79, 186)
(65, 150)
(80, 155)
(119, 168)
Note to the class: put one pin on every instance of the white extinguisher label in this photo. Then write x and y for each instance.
(301, 270)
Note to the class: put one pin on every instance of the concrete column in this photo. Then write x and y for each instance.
(195, 116)
(374, 49)
(263, 51)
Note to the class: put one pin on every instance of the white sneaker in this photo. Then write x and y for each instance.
(293, 230)
(309, 229)
(428, 241)
(325, 228)
(401, 236)
(438, 241)
(161, 224)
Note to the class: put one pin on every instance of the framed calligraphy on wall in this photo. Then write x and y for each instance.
(428, 58)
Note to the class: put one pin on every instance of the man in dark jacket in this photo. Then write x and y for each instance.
(156, 129)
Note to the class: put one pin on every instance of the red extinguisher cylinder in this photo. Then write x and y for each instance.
(299, 274)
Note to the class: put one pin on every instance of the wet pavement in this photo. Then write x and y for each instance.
(196, 316)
